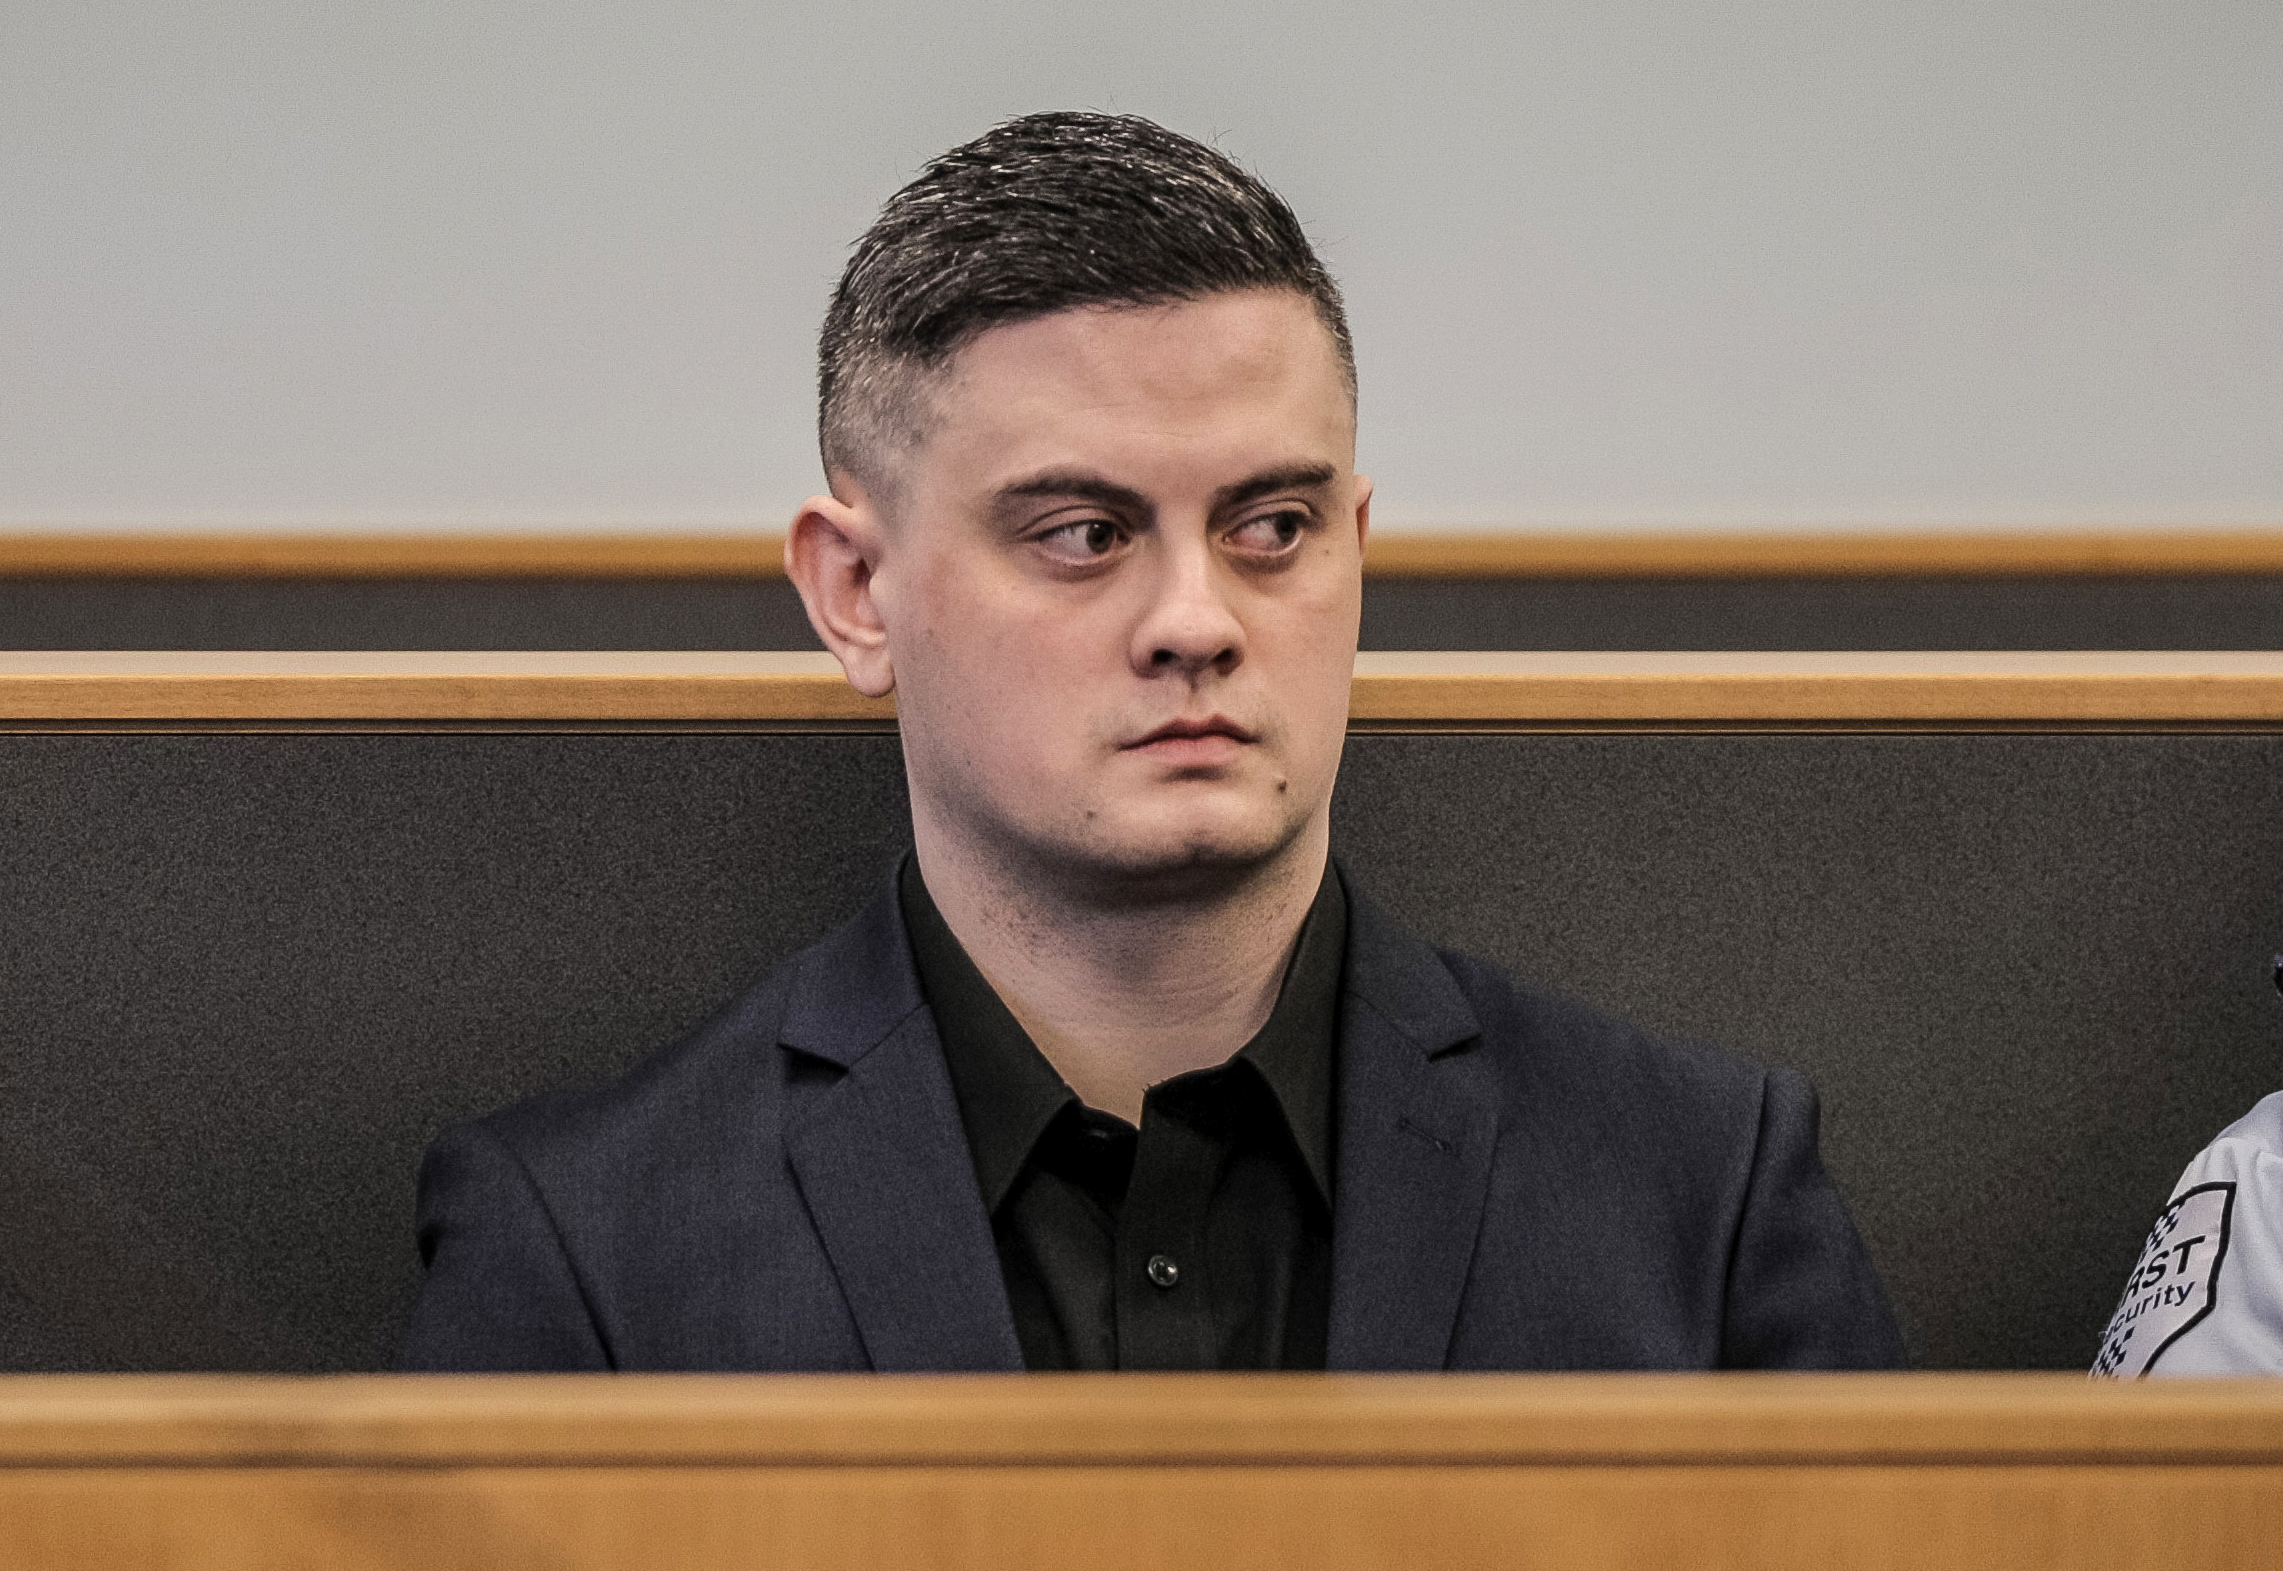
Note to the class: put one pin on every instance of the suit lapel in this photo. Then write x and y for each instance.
(1418, 1121)
(882, 1159)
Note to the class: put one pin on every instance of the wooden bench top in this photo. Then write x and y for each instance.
(1156, 1420)
(1153, 1473)
(1390, 688)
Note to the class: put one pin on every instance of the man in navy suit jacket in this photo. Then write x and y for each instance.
(1118, 1071)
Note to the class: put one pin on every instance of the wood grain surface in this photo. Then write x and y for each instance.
(758, 553)
(2086, 553)
(1777, 1472)
(1158, 1420)
(566, 553)
(1424, 689)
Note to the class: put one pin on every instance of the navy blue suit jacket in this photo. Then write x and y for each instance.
(1522, 1184)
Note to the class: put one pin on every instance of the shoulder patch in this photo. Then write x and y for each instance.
(2173, 1285)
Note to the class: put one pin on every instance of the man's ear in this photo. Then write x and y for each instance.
(830, 554)
(1363, 510)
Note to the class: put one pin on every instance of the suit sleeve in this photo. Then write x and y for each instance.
(500, 1293)
(1801, 1290)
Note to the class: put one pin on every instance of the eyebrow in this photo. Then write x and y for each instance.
(1088, 487)
(1291, 477)
(1075, 483)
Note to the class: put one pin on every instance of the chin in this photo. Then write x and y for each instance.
(1189, 850)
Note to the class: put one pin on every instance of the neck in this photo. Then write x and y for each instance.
(1121, 990)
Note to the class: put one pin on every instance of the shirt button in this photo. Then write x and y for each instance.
(1163, 1271)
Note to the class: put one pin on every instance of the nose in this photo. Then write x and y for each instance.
(1190, 626)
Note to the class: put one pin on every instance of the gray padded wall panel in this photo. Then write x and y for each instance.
(1824, 613)
(403, 613)
(697, 613)
(247, 976)
(2030, 974)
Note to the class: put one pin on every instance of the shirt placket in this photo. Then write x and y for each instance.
(1164, 1303)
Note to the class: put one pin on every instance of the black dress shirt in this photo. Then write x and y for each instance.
(1202, 1240)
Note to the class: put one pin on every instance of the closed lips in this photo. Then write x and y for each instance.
(1188, 730)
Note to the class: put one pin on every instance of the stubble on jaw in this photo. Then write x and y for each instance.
(1075, 866)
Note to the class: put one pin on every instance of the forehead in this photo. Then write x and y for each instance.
(1203, 382)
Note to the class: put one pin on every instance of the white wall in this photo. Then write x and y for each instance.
(501, 262)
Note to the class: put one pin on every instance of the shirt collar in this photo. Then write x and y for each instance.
(1008, 1092)
(1294, 1050)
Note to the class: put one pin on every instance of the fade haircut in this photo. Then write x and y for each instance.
(1042, 214)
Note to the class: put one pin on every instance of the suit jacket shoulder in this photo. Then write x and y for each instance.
(646, 1224)
(787, 1188)
(1523, 1183)
(1655, 1203)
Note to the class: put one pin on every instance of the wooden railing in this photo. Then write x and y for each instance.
(1390, 688)
(1390, 553)
(1168, 1473)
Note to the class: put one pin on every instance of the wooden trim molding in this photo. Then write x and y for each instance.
(390, 554)
(1747, 687)
(1830, 554)
(1390, 688)
(402, 686)
(1519, 554)
(1329, 1473)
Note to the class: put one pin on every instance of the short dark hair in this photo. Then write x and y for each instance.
(1044, 213)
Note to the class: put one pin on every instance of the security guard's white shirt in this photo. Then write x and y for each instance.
(2207, 1295)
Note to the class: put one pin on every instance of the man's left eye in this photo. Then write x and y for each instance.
(1270, 532)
